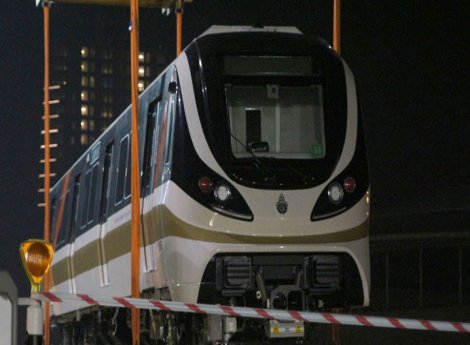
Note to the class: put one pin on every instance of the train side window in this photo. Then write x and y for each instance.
(86, 190)
(63, 221)
(172, 107)
(53, 216)
(150, 143)
(57, 217)
(92, 193)
(105, 187)
(122, 169)
(74, 215)
(127, 189)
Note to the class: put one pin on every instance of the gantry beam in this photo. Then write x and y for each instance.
(142, 3)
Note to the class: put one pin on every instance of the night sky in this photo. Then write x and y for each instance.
(410, 60)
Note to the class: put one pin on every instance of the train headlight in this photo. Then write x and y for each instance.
(222, 192)
(335, 193)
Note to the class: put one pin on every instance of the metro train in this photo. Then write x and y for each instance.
(255, 192)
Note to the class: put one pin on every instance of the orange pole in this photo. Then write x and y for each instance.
(46, 159)
(135, 188)
(337, 26)
(179, 26)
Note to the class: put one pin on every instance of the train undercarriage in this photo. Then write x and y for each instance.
(314, 282)
(112, 326)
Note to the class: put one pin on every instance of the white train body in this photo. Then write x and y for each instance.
(293, 230)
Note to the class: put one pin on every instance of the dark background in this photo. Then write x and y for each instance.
(410, 60)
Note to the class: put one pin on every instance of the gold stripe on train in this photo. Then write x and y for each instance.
(117, 242)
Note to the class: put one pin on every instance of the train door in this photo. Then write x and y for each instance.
(166, 120)
(86, 244)
(162, 166)
(149, 219)
(103, 210)
(73, 229)
(60, 223)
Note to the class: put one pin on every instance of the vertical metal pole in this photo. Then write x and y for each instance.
(420, 277)
(179, 26)
(337, 26)
(135, 189)
(46, 159)
(460, 276)
(387, 282)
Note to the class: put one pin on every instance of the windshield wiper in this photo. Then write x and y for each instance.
(258, 163)
(290, 168)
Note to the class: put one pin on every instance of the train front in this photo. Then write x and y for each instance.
(269, 201)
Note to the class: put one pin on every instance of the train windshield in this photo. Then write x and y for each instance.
(276, 121)
(273, 108)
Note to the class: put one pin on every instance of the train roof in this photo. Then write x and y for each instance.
(222, 29)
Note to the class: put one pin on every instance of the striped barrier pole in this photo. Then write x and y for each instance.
(271, 314)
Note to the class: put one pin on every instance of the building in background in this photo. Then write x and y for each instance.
(90, 87)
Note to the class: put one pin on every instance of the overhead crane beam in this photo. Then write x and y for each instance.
(142, 3)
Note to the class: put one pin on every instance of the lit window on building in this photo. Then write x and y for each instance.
(84, 125)
(84, 81)
(106, 69)
(84, 67)
(141, 85)
(84, 139)
(84, 110)
(84, 96)
(91, 125)
(92, 81)
(141, 71)
(85, 51)
(106, 113)
(141, 57)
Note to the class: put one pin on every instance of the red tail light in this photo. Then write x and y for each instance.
(349, 184)
(205, 184)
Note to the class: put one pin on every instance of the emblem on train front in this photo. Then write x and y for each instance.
(282, 204)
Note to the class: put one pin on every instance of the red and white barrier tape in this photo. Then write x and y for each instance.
(282, 315)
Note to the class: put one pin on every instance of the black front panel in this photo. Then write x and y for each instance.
(188, 169)
(300, 281)
(300, 63)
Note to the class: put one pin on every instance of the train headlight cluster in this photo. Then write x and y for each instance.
(217, 194)
(336, 190)
(339, 195)
(222, 191)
